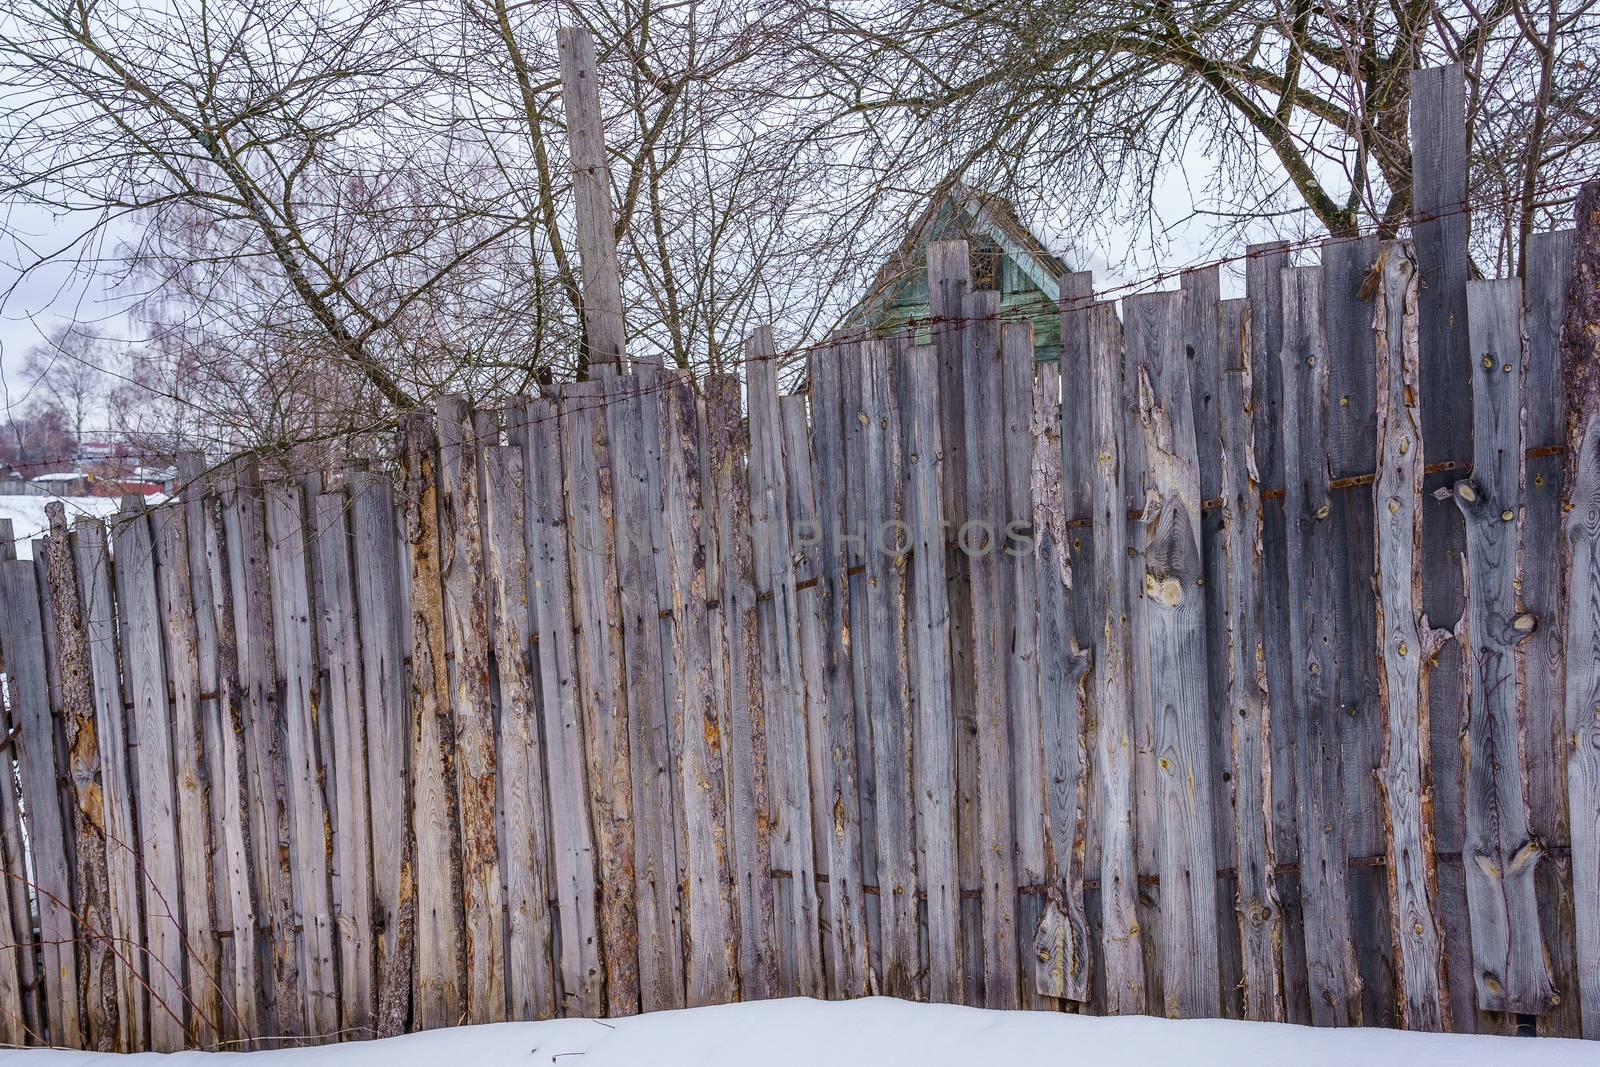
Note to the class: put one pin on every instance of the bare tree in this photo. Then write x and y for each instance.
(71, 372)
(1092, 106)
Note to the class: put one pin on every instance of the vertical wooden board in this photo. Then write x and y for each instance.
(24, 967)
(572, 843)
(261, 715)
(949, 279)
(345, 709)
(632, 425)
(881, 650)
(438, 969)
(198, 508)
(202, 948)
(376, 584)
(14, 1029)
(784, 684)
(44, 821)
(711, 966)
(597, 622)
(1510, 964)
(837, 788)
(1259, 916)
(928, 641)
(230, 797)
(1406, 646)
(1582, 697)
(1201, 337)
(466, 614)
(738, 660)
(1314, 661)
(1351, 429)
(1264, 265)
(852, 492)
(1549, 261)
(299, 681)
(1174, 624)
(1118, 882)
(1016, 541)
(524, 819)
(79, 748)
(155, 805)
(1439, 147)
(980, 539)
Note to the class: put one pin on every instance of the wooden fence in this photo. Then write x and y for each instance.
(1221, 670)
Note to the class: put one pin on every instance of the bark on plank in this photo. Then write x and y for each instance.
(466, 615)
(1314, 666)
(571, 839)
(98, 962)
(439, 968)
(597, 621)
(1407, 645)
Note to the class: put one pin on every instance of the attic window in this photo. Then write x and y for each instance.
(986, 268)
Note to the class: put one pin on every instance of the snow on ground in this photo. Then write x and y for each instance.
(879, 1032)
(28, 519)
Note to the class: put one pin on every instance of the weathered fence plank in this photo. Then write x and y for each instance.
(193, 830)
(1580, 357)
(98, 963)
(880, 651)
(299, 682)
(1408, 644)
(1314, 666)
(29, 1020)
(597, 621)
(439, 965)
(837, 790)
(1260, 918)
(1510, 965)
(711, 967)
(523, 823)
(782, 681)
(1548, 259)
(376, 585)
(344, 710)
(155, 804)
(550, 592)
(466, 618)
(1175, 623)
(738, 662)
(1123, 957)
(1439, 147)
(632, 428)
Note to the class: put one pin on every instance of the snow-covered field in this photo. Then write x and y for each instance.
(28, 519)
(888, 1033)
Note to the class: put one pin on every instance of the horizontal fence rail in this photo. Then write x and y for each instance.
(1222, 669)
